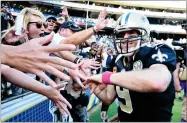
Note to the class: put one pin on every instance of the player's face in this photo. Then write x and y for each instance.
(130, 37)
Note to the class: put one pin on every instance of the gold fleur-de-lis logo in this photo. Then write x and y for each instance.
(159, 56)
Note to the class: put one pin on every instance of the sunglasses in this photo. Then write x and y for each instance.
(39, 24)
(50, 20)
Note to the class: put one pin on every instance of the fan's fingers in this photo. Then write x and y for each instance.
(79, 82)
(59, 67)
(92, 67)
(59, 61)
(59, 47)
(64, 107)
(83, 77)
(44, 77)
(61, 110)
(60, 85)
(95, 64)
(102, 86)
(66, 102)
(84, 70)
(56, 73)
(94, 86)
(53, 71)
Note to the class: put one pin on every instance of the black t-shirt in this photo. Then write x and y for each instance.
(4, 22)
(152, 106)
(77, 112)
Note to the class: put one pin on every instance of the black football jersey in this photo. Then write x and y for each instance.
(152, 106)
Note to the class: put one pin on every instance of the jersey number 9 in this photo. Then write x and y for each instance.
(124, 94)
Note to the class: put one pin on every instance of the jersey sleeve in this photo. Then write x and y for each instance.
(162, 54)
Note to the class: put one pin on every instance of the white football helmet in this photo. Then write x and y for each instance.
(127, 22)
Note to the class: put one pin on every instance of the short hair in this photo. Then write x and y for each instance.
(93, 43)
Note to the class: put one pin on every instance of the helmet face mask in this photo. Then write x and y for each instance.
(136, 26)
(129, 44)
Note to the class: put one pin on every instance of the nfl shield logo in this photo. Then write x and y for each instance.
(138, 65)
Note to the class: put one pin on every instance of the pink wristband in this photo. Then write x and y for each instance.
(106, 77)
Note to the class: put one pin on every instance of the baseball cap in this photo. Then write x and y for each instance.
(51, 17)
(70, 25)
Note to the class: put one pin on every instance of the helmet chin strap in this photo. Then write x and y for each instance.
(128, 54)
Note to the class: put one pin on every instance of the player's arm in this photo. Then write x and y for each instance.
(107, 95)
(154, 79)
(176, 78)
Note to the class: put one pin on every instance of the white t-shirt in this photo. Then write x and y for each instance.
(57, 38)
(104, 60)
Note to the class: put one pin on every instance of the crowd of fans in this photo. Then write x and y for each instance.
(54, 56)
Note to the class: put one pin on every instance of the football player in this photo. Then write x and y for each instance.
(143, 83)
